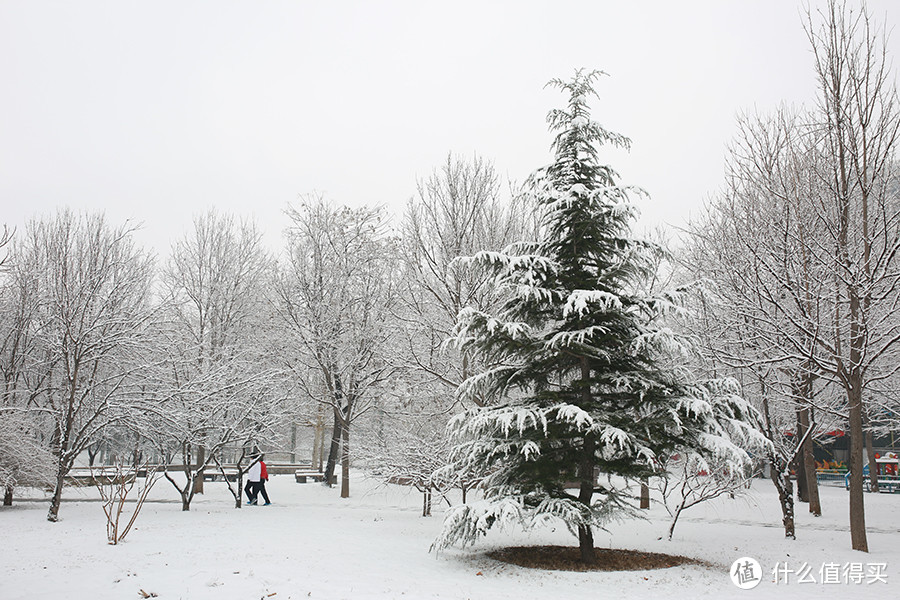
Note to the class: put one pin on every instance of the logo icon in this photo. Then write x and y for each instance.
(746, 573)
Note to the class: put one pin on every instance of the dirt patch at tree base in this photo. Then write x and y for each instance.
(568, 558)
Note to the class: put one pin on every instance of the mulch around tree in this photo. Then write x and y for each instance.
(568, 558)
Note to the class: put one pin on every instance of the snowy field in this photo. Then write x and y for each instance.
(311, 544)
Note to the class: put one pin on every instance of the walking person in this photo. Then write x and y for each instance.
(263, 478)
(253, 476)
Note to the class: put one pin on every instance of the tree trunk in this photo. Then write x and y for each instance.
(8, 496)
(335, 447)
(239, 496)
(185, 492)
(809, 465)
(93, 450)
(53, 513)
(645, 495)
(586, 475)
(870, 453)
(678, 512)
(293, 442)
(786, 497)
(321, 463)
(781, 479)
(586, 544)
(198, 479)
(317, 433)
(799, 464)
(426, 502)
(857, 502)
(345, 460)
(186, 495)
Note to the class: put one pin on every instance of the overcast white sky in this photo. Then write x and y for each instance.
(156, 111)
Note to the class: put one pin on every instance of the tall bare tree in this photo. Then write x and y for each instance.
(459, 211)
(214, 386)
(859, 121)
(336, 292)
(757, 242)
(93, 288)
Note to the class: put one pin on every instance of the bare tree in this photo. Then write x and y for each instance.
(24, 458)
(757, 242)
(214, 388)
(93, 289)
(335, 293)
(458, 212)
(859, 121)
(812, 210)
(693, 479)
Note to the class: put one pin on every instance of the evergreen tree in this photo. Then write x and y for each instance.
(584, 385)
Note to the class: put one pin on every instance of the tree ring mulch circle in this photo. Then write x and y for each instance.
(568, 558)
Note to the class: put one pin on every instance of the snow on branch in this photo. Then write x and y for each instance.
(465, 524)
(579, 301)
(565, 339)
(661, 339)
(529, 268)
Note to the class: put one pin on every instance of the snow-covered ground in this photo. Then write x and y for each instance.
(311, 544)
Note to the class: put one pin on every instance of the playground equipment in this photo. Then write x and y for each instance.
(886, 470)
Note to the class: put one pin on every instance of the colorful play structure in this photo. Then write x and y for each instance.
(887, 469)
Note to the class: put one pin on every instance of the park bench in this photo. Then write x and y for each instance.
(302, 475)
(231, 474)
(288, 468)
(85, 477)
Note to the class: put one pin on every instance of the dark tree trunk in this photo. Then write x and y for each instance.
(586, 544)
(678, 512)
(809, 465)
(239, 498)
(318, 451)
(8, 496)
(798, 464)
(345, 460)
(93, 450)
(201, 460)
(53, 513)
(784, 487)
(780, 476)
(426, 502)
(335, 448)
(645, 494)
(857, 501)
(586, 475)
(870, 454)
(186, 492)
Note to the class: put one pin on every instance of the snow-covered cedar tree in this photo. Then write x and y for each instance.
(585, 385)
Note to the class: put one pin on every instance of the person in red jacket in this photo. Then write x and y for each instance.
(263, 478)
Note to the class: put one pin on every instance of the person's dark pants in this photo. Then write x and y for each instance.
(252, 490)
(261, 489)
